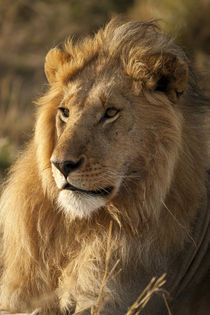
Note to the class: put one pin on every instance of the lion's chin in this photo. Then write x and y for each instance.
(79, 205)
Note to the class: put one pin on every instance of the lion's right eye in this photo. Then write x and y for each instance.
(64, 112)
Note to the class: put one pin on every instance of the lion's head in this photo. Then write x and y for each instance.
(115, 110)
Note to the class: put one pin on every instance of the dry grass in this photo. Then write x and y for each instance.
(153, 287)
(107, 274)
(16, 120)
(16, 117)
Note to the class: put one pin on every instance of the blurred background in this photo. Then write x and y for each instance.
(28, 29)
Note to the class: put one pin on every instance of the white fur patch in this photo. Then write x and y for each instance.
(59, 178)
(79, 204)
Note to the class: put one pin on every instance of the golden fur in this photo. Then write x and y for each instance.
(151, 151)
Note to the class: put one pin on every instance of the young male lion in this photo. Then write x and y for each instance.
(119, 137)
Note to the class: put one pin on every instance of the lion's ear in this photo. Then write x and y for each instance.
(54, 59)
(166, 73)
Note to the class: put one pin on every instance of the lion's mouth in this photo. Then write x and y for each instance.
(97, 193)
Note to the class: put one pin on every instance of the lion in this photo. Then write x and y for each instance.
(119, 139)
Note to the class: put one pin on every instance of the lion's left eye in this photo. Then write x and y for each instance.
(111, 112)
(64, 111)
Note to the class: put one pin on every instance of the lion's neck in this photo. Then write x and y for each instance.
(194, 250)
(164, 223)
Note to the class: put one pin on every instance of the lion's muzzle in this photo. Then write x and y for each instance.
(83, 186)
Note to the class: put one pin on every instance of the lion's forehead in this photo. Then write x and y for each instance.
(82, 94)
(91, 87)
(75, 93)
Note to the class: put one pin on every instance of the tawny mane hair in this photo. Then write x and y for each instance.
(60, 252)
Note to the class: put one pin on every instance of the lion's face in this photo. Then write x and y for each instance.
(97, 145)
(106, 139)
(116, 125)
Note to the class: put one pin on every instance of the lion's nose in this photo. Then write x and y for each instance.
(66, 167)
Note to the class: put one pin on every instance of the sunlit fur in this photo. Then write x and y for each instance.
(54, 257)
